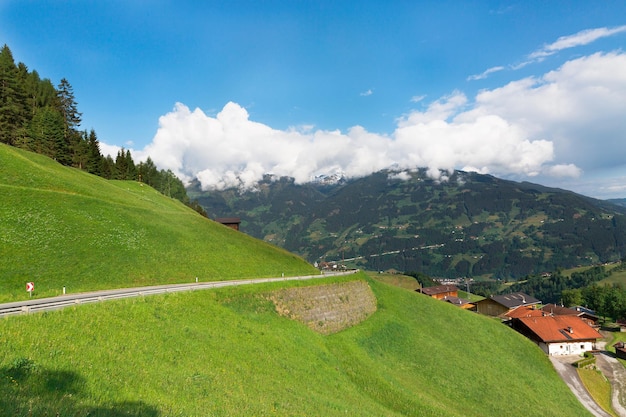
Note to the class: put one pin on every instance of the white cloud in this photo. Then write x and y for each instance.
(581, 38)
(485, 74)
(564, 170)
(584, 37)
(561, 125)
(367, 93)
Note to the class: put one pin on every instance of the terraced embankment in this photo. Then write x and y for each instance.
(327, 308)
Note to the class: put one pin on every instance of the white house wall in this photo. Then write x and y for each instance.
(566, 348)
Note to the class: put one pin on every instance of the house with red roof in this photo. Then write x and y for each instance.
(558, 335)
(585, 314)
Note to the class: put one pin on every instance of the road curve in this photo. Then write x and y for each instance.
(55, 303)
(563, 366)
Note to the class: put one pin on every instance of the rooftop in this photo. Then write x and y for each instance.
(560, 328)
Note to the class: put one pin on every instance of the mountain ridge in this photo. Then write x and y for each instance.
(470, 225)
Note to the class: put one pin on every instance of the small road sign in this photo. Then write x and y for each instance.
(30, 286)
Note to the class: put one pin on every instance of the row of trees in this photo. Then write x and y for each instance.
(39, 117)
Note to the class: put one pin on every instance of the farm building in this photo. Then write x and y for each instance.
(440, 291)
(558, 335)
(497, 305)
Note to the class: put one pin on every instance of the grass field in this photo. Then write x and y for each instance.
(62, 228)
(598, 387)
(223, 352)
(227, 352)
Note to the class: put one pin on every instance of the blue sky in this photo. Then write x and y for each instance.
(229, 90)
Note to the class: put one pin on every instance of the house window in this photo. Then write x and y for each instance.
(561, 347)
(582, 347)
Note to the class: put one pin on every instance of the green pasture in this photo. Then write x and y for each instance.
(226, 352)
(62, 228)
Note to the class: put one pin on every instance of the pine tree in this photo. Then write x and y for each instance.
(12, 98)
(107, 168)
(46, 131)
(72, 118)
(131, 170)
(148, 173)
(80, 152)
(120, 165)
(94, 164)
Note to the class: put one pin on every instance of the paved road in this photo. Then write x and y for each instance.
(616, 374)
(563, 365)
(55, 303)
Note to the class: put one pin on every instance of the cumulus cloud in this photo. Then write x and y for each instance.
(547, 126)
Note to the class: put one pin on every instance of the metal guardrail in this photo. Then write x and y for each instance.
(55, 303)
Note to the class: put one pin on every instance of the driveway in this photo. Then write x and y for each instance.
(563, 366)
(615, 372)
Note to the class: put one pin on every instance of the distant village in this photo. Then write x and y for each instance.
(556, 329)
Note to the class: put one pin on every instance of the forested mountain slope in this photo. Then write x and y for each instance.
(469, 225)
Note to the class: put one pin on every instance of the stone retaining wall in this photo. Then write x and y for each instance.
(327, 308)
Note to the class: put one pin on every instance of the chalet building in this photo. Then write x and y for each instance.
(232, 222)
(440, 291)
(459, 302)
(585, 314)
(558, 335)
(522, 311)
(498, 305)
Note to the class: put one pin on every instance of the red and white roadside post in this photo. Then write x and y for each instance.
(30, 287)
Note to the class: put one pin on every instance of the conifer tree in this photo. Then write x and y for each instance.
(72, 118)
(46, 131)
(149, 173)
(94, 164)
(131, 170)
(12, 98)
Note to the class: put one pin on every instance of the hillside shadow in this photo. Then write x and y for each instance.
(28, 389)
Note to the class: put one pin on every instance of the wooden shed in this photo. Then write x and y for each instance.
(232, 222)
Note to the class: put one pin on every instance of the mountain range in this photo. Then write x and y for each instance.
(467, 225)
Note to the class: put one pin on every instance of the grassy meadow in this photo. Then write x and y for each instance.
(226, 352)
(64, 227)
(223, 352)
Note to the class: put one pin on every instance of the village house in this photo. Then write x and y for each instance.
(522, 311)
(558, 335)
(586, 315)
(447, 293)
(498, 305)
(440, 291)
(459, 302)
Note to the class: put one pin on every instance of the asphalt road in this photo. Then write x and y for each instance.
(55, 303)
(563, 366)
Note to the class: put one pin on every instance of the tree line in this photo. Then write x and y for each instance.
(39, 117)
(581, 288)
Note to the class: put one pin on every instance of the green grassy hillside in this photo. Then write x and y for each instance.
(63, 227)
(227, 352)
